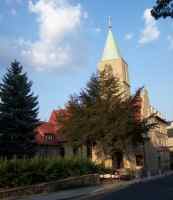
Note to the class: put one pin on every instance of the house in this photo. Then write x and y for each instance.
(51, 142)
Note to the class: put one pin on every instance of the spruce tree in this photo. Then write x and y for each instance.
(18, 113)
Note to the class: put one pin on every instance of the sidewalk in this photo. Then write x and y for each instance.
(76, 193)
(91, 191)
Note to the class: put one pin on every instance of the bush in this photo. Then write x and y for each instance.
(22, 172)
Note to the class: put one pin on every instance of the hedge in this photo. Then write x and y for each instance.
(23, 172)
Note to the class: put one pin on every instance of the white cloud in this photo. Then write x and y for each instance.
(58, 22)
(170, 40)
(151, 31)
(60, 44)
(55, 18)
(129, 36)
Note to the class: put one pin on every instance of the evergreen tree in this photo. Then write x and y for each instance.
(163, 8)
(18, 113)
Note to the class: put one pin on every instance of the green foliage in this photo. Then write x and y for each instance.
(93, 111)
(163, 8)
(21, 172)
(104, 115)
(18, 113)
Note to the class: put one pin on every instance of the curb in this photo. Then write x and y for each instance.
(100, 190)
(122, 186)
(151, 178)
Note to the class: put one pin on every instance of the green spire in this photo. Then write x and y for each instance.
(111, 50)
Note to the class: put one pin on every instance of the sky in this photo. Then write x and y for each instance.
(60, 43)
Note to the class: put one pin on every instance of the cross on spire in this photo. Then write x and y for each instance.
(110, 22)
(111, 50)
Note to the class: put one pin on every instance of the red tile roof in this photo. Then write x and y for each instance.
(50, 128)
(53, 117)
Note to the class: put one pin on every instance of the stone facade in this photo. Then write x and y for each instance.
(157, 152)
(153, 154)
(170, 142)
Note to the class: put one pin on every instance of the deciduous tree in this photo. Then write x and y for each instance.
(163, 8)
(102, 114)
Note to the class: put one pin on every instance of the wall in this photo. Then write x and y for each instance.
(86, 180)
(56, 150)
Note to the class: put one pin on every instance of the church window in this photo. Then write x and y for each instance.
(139, 160)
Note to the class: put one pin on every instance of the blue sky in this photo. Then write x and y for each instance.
(60, 42)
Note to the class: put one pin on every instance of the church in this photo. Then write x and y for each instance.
(153, 155)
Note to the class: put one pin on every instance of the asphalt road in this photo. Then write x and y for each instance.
(161, 189)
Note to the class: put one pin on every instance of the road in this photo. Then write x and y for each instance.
(161, 189)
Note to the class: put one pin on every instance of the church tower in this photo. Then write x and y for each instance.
(112, 57)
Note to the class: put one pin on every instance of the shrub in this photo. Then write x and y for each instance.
(22, 172)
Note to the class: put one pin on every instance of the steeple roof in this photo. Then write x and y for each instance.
(111, 50)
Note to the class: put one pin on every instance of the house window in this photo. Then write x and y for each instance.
(49, 137)
(139, 160)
